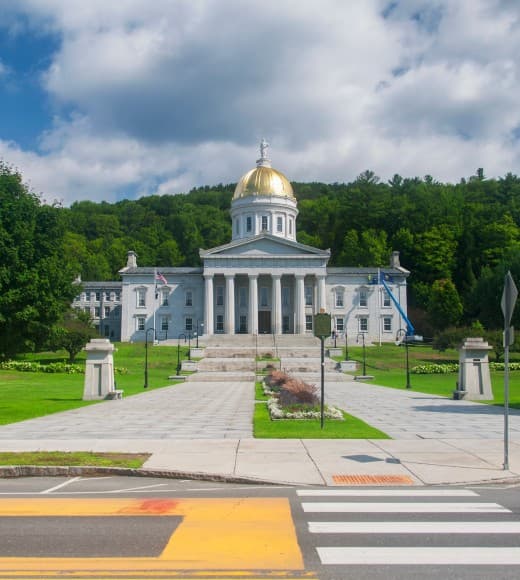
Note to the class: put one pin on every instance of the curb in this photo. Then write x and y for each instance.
(14, 471)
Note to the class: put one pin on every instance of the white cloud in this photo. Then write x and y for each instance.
(167, 95)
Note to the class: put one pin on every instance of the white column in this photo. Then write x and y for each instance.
(229, 319)
(208, 304)
(277, 303)
(322, 299)
(299, 305)
(253, 303)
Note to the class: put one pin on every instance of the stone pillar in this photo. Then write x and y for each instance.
(253, 303)
(277, 303)
(322, 299)
(474, 379)
(299, 304)
(208, 304)
(229, 318)
(99, 370)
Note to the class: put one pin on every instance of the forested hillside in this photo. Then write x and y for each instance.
(457, 239)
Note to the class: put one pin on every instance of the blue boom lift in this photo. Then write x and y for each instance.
(410, 329)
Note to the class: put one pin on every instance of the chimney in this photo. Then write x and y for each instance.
(394, 260)
(131, 260)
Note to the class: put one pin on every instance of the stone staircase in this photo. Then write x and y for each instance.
(234, 357)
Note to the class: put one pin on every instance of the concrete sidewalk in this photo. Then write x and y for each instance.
(205, 429)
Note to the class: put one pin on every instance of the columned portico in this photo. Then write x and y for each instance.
(277, 303)
(299, 305)
(208, 303)
(253, 304)
(229, 319)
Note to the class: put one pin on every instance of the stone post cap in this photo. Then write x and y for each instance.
(103, 344)
(475, 343)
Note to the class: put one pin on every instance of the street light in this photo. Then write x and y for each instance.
(346, 345)
(179, 352)
(402, 333)
(362, 335)
(189, 346)
(146, 357)
(334, 335)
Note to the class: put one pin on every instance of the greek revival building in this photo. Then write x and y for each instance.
(262, 281)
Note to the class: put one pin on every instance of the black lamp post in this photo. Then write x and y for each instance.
(146, 357)
(189, 346)
(346, 346)
(334, 336)
(362, 335)
(179, 352)
(197, 335)
(401, 333)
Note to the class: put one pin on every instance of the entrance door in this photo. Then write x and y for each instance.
(264, 322)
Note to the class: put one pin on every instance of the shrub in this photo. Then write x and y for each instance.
(435, 369)
(275, 379)
(297, 392)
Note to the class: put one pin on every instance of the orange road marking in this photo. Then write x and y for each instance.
(215, 534)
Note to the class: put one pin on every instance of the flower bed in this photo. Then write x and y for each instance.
(291, 398)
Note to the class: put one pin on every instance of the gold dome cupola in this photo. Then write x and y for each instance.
(264, 202)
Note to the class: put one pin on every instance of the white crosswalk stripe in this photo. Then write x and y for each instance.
(427, 530)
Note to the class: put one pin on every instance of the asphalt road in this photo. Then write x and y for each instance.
(184, 528)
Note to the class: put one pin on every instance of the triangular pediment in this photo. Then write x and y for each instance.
(264, 245)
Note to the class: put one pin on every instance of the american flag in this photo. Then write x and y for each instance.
(161, 278)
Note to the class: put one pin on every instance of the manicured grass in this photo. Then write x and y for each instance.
(29, 395)
(351, 428)
(387, 364)
(77, 458)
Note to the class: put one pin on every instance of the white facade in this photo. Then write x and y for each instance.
(263, 281)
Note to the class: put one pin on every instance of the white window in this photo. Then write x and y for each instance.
(107, 295)
(107, 311)
(385, 299)
(237, 226)
(308, 322)
(117, 295)
(140, 320)
(264, 296)
(339, 297)
(363, 298)
(387, 324)
(164, 323)
(87, 296)
(97, 311)
(165, 293)
(188, 298)
(290, 226)
(220, 295)
(308, 295)
(98, 296)
(188, 325)
(243, 297)
(286, 296)
(265, 223)
(243, 323)
(141, 297)
(249, 223)
(220, 323)
(279, 224)
(285, 324)
(363, 324)
(340, 324)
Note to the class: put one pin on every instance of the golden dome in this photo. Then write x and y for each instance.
(263, 180)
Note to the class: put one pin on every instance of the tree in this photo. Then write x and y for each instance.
(74, 332)
(36, 285)
(444, 308)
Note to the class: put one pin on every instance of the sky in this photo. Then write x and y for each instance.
(114, 99)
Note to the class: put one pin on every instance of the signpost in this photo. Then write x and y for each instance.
(509, 296)
(322, 331)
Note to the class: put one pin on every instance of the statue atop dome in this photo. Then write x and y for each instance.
(264, 161)
(264, 145)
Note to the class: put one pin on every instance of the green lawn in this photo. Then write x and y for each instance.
(387, 364)
(29, 395)
(81, 458)
(350, 428)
